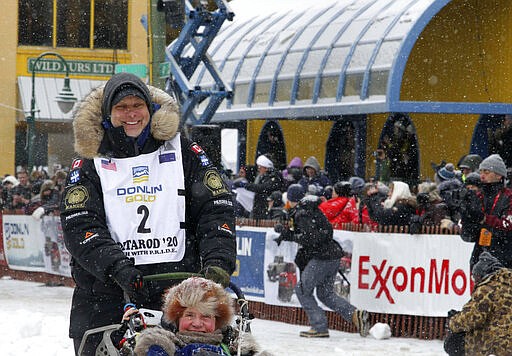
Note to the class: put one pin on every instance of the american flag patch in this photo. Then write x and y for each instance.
(106, 164)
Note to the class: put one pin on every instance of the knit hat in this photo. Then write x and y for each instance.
(295, 193)
(342, 188)
(494, 163)
(121, 85)
(295, 162)
(486, 265)
(11, 179)
(470, 161)
(473, 178)
(447, 172)
(276, 197)
(46, 185)
(264, 162)
(208, 297)
(356, 185)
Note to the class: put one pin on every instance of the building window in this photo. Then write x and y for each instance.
(110, 24)
(75, 25)
(35, 22)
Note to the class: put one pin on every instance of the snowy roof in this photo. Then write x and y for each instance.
(338, 57)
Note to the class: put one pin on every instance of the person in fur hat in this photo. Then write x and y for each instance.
(397, 209)
(486, 319)
(141, 199)
(46, 201)
(200, 312)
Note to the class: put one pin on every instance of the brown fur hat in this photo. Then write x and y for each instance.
(208, 297)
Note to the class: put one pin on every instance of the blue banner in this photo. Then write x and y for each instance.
(250, 262)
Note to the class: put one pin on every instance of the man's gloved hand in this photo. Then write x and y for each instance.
(131, 281)
(452, 312)
(216, 274)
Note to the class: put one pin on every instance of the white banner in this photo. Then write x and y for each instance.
(410, 274)
(23, 243)
(56, 256)
(389, 273)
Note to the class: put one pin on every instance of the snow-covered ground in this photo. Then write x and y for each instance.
(35, 322)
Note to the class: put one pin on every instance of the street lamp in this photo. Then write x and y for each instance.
(65, 99)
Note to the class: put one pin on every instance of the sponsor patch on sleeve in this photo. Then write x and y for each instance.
(225, 228)
(76, 197)
(74, 176)
(214, 183)
(204, 160)
(89, 236)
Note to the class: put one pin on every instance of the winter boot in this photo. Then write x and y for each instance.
(360, 320)
(314, 333)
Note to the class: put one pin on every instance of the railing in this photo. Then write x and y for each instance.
(414, 326)
(423, 327)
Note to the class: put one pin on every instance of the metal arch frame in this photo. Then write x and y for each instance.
(390, 102)
(238, 67)
(182, 68)
(348, 58)
(366, 79)
(318, 79)
(302, 63)
(252, 85)
(273, 86)
(273, 90)
(218, 46)
(232, 49)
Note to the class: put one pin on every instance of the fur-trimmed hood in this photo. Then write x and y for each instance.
(208, 297)
(87, 122)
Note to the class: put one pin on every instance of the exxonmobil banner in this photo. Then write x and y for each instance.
(409, 274)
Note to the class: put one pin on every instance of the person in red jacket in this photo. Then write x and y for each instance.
(333, 207)
(356, 210)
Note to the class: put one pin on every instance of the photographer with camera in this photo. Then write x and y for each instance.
(486, 215)
(318, 259)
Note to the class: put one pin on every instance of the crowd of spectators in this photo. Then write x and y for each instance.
(36, 194)
(433, 202)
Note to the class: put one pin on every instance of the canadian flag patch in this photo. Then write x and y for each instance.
(196, 148)
(77, 163)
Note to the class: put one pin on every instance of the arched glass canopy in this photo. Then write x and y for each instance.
(346, 57)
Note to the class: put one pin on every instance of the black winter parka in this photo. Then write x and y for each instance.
(309, 227)
(96, 257)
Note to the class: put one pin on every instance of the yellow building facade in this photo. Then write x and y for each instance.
(88, 67)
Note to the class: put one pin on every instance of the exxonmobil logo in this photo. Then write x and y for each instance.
(388, 280)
